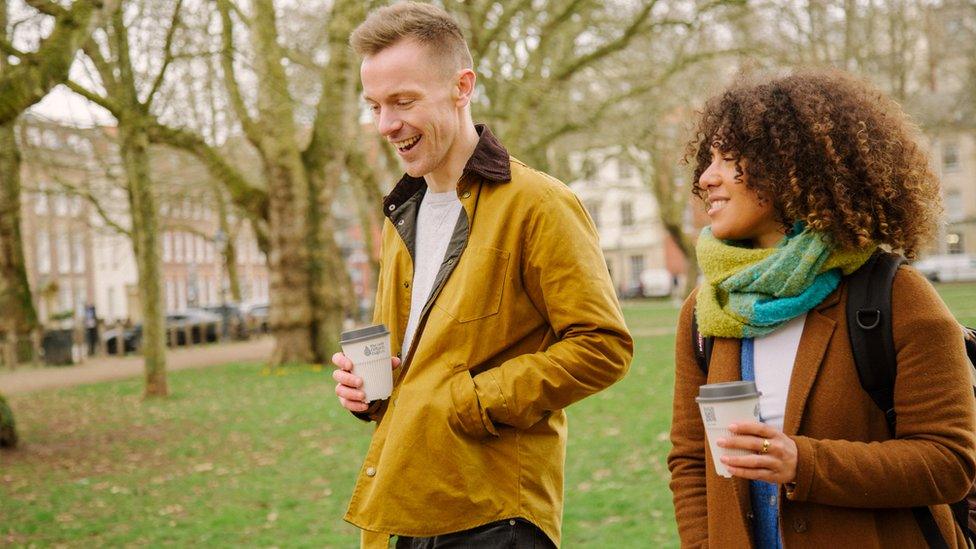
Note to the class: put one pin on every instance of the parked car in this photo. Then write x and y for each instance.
(257, 316)
(656, 283)
(130, 337)
(231, 316)
(948, 268)
(202, 326)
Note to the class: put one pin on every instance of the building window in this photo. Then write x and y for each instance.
(954, 206)
(627, 214)
(110, 313)
(198, 244)
(40, 203)
(66, 300)
(170, 296)
(43, 252)
(64, 254)
(168, 247)
(61, 205)
(178, 247)
(180, 294)
(75, 206)
(78, 257)
(593, 207)
(624, 170)
(636, 268)
(950, 157)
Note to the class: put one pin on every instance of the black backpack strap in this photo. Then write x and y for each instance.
(869, 329)
(873, 344)
(701, 344)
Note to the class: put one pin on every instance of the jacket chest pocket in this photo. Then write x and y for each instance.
(475, 289)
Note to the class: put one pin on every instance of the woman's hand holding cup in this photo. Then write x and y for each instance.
(773, 457)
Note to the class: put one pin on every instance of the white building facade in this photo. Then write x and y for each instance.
(626, 216)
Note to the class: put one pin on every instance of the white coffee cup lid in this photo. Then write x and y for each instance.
(731, 390)
(368, 332)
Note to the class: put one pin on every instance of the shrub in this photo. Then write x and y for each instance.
(8, 433)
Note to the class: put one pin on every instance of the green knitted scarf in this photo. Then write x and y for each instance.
(749, 292)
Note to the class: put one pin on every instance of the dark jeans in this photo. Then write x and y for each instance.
(504, 534)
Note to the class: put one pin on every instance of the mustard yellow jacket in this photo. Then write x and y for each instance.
(522, 322)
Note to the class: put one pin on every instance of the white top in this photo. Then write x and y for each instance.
(773, 358)
(435, 224)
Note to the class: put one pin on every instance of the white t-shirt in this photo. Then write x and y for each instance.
(773, 358)
(435, 225)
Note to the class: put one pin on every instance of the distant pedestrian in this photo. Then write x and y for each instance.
(91, 329)
(806, 177)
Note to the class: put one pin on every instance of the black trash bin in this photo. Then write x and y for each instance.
(57, 347)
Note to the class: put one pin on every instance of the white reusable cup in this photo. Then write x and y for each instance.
(369, 350)
(721, 405)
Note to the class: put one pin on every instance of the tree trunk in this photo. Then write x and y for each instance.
(230, 250)
(291, 302)
(134, 149)
(19, 317)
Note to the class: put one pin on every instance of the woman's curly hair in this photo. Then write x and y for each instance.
(827, 149)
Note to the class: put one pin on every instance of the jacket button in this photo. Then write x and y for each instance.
(400, 222)
(751, 516)
(467, 194)
(406, 284)
(371, 471)
(799, 525)
(392, 207)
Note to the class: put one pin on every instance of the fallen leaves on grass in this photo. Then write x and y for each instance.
(203, 467)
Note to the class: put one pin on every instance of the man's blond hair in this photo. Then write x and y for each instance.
(427, 24)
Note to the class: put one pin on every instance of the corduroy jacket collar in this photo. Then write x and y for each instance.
(489, 161)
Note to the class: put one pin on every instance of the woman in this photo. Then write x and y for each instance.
(804, 178)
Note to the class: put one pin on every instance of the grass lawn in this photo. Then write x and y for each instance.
(238, 457)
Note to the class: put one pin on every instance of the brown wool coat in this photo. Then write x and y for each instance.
(854, 486)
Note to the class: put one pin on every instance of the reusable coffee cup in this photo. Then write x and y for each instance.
(721, 405)
(369, 350)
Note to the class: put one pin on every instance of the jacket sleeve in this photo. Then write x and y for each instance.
(932, 459)
(565, 275)
(686, 461)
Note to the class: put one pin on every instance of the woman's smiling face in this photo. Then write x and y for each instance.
(736, 211)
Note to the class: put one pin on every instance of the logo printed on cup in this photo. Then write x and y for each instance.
(369, 351)
(722, 404)
(709, 413)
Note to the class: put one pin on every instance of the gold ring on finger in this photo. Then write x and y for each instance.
(765, 447)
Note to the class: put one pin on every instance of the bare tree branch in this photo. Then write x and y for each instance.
(509, 10)
(89, 196)
(9, 49)
(250, 199)
(632, 30)
(167, 53)
(26, 83)
(251, 128)
(47, 7)
(99, 100)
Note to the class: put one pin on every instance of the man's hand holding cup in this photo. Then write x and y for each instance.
(364, 374)
(349, 385)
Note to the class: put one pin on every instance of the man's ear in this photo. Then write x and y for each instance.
(464, 82)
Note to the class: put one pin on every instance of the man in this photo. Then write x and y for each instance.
(497, 297)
